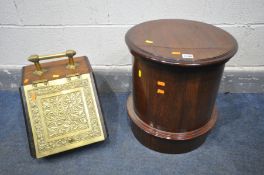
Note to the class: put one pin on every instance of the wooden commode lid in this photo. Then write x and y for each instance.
(181, 42)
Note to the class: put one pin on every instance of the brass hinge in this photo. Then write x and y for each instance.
(43, 81)
(69, 76)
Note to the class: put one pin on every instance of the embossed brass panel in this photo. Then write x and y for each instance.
(63, 114)
(61, 106)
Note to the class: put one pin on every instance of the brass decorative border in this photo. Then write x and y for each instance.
(79, 123)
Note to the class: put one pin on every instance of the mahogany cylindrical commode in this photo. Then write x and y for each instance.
(177, 69)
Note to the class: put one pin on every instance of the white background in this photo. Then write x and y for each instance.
(96, 28)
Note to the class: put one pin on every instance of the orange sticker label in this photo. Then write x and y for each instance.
(160, 91)
(33, 97)
(26, 81)
(175, 53)
(160, 83)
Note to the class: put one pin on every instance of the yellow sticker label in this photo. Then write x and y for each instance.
(139, 73)
(149, 41)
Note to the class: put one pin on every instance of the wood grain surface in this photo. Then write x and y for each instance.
(173, 97)
(166, 40)
(55, 70)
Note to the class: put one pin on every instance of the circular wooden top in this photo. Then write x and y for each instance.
(181, 42)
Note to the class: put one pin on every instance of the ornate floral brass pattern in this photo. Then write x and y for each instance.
(63, 114)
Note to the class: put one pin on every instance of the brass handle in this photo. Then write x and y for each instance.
(36, 59)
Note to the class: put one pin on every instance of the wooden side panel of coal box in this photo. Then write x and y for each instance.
(27, 123)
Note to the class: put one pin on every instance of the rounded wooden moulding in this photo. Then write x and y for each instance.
(177, 69)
